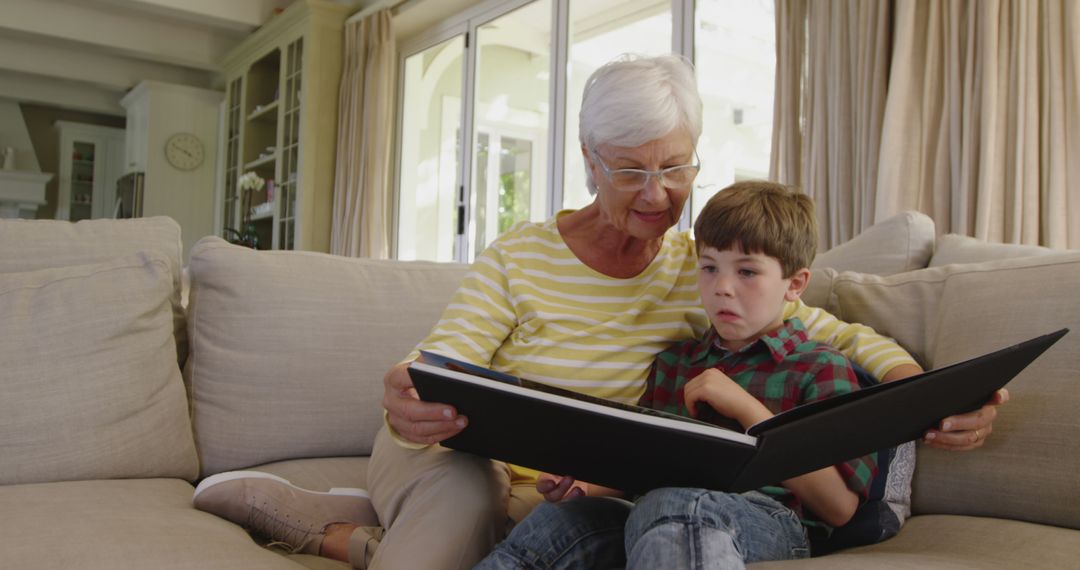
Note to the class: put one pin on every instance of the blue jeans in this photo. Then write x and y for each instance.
(668, 528)
(580, 533)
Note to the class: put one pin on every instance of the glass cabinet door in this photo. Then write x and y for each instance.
(83, 155)
(285, 190)
(230, 214)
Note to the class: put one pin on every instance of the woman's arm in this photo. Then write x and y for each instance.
(887, 361)
(861, 344)
(473, 326)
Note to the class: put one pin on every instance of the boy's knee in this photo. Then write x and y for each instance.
(678, 506)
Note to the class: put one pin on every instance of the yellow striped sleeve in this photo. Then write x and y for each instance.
(877, 354)
(531, 308)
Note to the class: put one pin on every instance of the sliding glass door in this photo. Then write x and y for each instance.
(508, 77)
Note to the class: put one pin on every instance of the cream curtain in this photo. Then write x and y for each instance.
(363, 179)
(988, 90)
(785, 161)
(840, 98)
(980, 127)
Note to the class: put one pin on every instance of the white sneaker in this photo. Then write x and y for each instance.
(273, 507)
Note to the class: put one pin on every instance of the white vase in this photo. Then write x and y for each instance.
(9, 158)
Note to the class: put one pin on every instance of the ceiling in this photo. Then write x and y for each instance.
(85, 54)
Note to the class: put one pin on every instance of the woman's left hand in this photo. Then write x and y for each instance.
(967, 431)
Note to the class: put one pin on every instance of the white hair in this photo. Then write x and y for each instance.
(635, 99)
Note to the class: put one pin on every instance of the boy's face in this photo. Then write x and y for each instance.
(744, 293)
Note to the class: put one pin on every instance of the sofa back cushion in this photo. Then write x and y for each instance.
(89, 380)
(39, 244)
(900, 243)
(956, 248)
(289, 349)
(951, 313)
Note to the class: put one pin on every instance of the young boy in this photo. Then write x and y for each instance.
(755, 242)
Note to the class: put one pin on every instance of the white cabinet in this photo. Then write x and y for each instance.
(281, 124)
(138, 118)
(91, 160)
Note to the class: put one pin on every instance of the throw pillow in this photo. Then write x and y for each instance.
(26, 245)
(91, 388)
(901, 243)
(289, 349)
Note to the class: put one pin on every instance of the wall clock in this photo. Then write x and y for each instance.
(184, 151)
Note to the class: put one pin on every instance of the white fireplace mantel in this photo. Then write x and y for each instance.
(21, 192)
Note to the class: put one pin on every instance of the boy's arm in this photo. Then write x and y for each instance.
(825, 492)
(833, 493)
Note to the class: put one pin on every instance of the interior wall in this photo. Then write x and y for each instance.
(40, 120)
(13, 134)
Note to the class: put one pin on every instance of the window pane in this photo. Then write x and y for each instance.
(431, 121)
(600, 30)
(511, 122)
(735, 56)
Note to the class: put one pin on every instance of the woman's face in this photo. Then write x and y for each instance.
(649, 212)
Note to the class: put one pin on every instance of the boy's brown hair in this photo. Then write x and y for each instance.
(757, 216)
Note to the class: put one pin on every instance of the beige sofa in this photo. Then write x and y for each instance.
(102, 435)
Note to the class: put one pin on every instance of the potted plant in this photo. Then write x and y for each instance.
(248, 183)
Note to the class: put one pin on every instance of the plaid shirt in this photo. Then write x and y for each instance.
(782, 370)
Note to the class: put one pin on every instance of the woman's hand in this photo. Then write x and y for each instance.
(967, 431)
(556, 488)
(962, 432)
(415, 420)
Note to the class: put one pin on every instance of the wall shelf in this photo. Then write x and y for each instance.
(267, 160)
(266, 112)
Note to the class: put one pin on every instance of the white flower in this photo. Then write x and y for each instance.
(250, 181)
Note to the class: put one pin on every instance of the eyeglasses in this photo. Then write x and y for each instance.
(634, 179)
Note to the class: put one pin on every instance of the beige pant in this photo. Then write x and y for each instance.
(440, 508)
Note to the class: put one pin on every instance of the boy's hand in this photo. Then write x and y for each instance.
(725, 396)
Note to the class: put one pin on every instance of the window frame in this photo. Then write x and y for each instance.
(465, 24)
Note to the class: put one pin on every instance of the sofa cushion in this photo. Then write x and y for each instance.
(942, 541)
(90, 384)
(956, 248)
(951, 313)
(1030, 462)
(289, 349)
(900, 243)
(26, 245)
(103, 525)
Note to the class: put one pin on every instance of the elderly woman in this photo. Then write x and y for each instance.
(585, 301)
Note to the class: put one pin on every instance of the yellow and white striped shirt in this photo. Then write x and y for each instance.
(531, 308)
